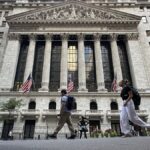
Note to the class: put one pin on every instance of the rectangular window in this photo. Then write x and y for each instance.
(1, 34)
(144, 19)
(148, 32)
(0, 14)
(4, 24)
(6, 13)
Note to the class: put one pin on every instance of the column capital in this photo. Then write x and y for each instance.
(64, 36)
(48, 36)
(113, 36)
(97, 36)
(14, 36)
(80, 36)
(132, 36)
(32, 36)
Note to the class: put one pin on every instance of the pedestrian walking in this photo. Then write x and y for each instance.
(128, 112)
(65, 117)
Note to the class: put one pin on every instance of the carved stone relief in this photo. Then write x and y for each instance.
(72, 12)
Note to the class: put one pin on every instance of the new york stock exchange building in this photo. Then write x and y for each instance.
(87, 40)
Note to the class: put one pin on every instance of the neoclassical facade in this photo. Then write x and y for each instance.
(90, 42)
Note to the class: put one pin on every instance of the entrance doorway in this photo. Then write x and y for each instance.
(94, 125)
(7, 127)
(115, 125)
(29, 129)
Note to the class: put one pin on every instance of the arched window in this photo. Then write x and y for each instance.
(32, 105)
(52, 105)
(114, 106)
(93, 105)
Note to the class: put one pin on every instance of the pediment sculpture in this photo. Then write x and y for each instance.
(72, 12)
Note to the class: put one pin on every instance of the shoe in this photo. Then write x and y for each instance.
(72, 136)
(127, 135)
(52, 136)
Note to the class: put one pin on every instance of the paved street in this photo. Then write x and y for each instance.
(135, 143)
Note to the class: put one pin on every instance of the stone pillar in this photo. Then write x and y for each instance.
(136, 62)
(64, 61)
(99, 64)
(81, 64)
(115, 57)
(8, 71)
(46, 64)
(30, 56)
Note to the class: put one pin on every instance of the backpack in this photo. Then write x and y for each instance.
(136, 96)
(70, 102)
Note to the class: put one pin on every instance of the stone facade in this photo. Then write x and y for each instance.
(103, 17)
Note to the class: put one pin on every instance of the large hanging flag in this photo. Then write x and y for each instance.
(26, 86)
(114, 85)
(70, 85)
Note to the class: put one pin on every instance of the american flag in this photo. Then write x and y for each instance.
(70, 86)
(26, 86)
(114, 83)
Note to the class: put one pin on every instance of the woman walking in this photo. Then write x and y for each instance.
(128, 112)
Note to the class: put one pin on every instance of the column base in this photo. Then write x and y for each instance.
(102, 90)
(43, 89)
(82, 90)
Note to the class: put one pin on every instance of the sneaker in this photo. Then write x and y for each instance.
(52, 136)
(72, 136)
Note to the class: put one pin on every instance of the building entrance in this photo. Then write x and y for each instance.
(29, 129)
(7, 127)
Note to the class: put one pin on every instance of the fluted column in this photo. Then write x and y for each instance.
(115, 57)
(46, 64)
(30, 56)
(64, 59)
(8, 70)
(81, 64)
(136, 62)
(99, 63)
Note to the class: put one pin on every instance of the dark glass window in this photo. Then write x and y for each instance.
(114, 106)
(93, 106)
(32, 105)
(21, 62)
(38, 62)
(52, 105)
(75, 106)
(55, 64)
(107, 63)
(124, 59)
(73, 61)
(90, 65)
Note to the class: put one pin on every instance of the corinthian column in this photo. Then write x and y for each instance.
(115, 57)
(8, 71)
(46, 64)
(30, 56)
(81, 64)
(64, 59)
(99, 63)
(136, 62)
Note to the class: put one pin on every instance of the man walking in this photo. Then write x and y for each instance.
(65, 117)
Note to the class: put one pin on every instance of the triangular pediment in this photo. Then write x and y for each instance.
(73, 12)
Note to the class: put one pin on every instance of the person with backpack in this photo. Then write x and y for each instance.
(65, 115)
(128, 112)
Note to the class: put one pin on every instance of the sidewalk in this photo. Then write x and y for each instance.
(134, 143)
